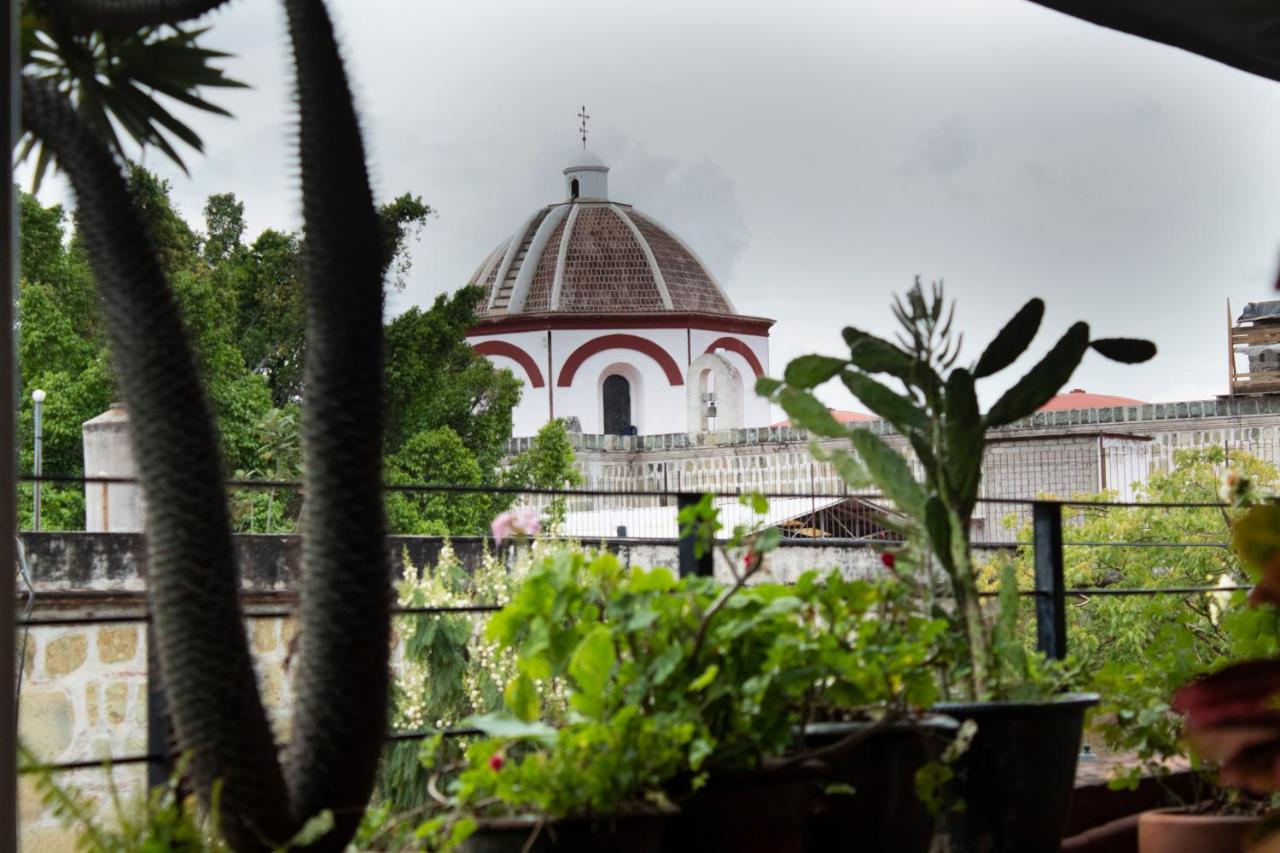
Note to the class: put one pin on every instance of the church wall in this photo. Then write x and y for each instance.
(756, 411)
(532, 412)
(661, 404)
(658, 406)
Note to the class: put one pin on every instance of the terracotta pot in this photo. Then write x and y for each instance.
(883, 815)
(1017, 777)
(631, 833)
(1175, 831)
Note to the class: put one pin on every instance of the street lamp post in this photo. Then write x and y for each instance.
(37, 397)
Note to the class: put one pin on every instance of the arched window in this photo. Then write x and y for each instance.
(573, 188)
(617, 405)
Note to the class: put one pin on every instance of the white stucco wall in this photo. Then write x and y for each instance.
(657, 406)
(756, 411)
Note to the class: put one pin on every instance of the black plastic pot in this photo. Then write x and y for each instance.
(1017, 776)
(748, 811)
(641, 832)
(883, 815)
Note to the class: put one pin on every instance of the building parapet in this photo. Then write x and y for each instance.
(1146, 414)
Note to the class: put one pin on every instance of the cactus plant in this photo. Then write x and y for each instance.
(939, 415)
(192, 584)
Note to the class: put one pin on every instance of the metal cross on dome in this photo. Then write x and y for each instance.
(583, 115)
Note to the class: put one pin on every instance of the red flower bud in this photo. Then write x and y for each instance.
(496, 761)
(888, 558)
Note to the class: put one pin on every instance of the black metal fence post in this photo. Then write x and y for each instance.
(159, 726)
(1051, 603)
(690, 562)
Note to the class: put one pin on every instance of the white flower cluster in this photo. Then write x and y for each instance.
(487, 669)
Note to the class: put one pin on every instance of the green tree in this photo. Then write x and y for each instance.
(547, 464)
(434, 379)
(436, 456)
(1135, 650)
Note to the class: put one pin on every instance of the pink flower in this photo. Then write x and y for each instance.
(496, 761)
(519, 522)
(888, 558)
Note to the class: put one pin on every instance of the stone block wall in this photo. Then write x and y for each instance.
(84, 698)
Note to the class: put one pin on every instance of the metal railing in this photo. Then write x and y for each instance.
(1049, 593)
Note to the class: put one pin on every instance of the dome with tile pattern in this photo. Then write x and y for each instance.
(591, 255)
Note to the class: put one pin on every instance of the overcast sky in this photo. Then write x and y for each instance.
(817, 155)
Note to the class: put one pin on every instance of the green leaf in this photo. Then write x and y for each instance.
(462, 830)
(888, 404)
(807, 411)
(665, 664)
(703, 681)
(964, 436)
(506, 726)
(938, 526)
(312, 831)
(765, 386)
(521, 698)
(848, 467)
(592, 662)
(889, 471)
(1044, 380)
(1125, 350)
(810, 370)
(1011, 341)
(876, 355)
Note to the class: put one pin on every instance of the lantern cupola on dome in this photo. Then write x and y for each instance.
(586, 177)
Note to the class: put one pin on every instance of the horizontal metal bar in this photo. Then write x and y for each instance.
(108, 763)
(520, 490)
(98, 764)
(1226, 545)
(1165, 590)
(47, 622)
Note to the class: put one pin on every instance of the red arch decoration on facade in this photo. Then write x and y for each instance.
(735, 345)
(631, 342)
(514, 353)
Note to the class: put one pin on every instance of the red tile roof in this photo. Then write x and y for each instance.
(841, 415)
(1078, 398)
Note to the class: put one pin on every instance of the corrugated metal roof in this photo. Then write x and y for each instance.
(659, 522)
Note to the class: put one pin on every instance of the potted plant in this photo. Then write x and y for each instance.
(863, 718)
(663, 678)
(688, 692)
(1019, 772)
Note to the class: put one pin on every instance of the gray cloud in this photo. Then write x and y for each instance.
(817, 159)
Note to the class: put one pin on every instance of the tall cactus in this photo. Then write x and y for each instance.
(939, 415)
(193, 583)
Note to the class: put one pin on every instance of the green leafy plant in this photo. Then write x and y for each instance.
(665, 680)
(938, 414)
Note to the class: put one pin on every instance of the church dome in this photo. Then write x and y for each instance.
(590, 255)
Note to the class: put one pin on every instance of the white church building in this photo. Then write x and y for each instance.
(612, 321)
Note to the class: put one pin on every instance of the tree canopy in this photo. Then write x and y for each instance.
(448, 411)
